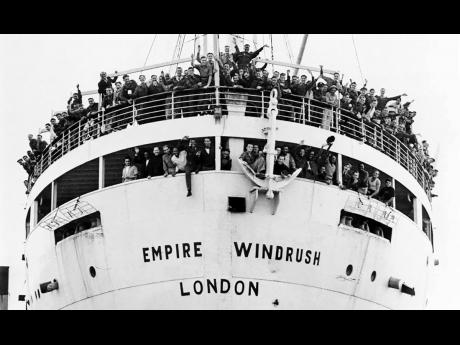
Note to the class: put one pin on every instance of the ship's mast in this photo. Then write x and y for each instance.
(301, 51)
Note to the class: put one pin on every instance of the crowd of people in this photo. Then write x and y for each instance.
(184, 157)
(187, 156)
(319, 166)
(236, 70)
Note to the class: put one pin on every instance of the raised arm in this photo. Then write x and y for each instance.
(192, 62)
(114, 79)
(80, 98)
(254, 54)
(198, 54)
(395, 97)
(237, 50)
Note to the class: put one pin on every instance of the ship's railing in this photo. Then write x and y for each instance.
(171, 105)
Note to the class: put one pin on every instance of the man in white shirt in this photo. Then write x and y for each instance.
(179, 159)
(47, 133)
(129, 172)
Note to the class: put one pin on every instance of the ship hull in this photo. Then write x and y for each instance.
(158, 249)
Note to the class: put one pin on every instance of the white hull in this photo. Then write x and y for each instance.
(151, 213)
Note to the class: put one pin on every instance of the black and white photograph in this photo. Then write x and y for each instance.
(229, 171)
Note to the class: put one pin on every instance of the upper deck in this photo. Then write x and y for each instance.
(169, 106)
(90, 159)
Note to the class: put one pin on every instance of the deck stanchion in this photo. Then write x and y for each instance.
(79, 132)
(337, 116)
(262, 99)
(339, 169)
(134, 111)
(172, 105)
(308, 113)
(303, 110)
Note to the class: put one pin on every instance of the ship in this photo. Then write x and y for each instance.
(242, 240)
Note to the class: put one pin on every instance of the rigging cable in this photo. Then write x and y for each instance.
(271, 44)
(153, 41)
(263, 43)
(288, 46)
(176, 50)
(357, 58)
(179, 53)
(194, 49)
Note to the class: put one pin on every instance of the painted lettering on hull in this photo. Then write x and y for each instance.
(219, 286)
(280, 253)
(167, 251)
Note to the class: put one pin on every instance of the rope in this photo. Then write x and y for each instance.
(357, 58)
(153, 41)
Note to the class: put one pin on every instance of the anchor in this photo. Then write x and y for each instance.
(270, 183)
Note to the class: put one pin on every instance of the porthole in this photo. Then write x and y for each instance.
(349, 270)
(373, 276)
(92, 271)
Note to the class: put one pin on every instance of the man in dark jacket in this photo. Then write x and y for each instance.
(147, 166)
(41, 145)
(157, 162)
(189, 146)
(254, 103)
(382, 100)
(157, 99)
(141, 91)
(105, 82)
(243, 59)
(311, 168)
(128, 89)
(207, 156)
(225, 160)
(187, 86)
(33, 143)
(301, 158)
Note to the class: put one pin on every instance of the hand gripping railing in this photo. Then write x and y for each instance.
(175, 104)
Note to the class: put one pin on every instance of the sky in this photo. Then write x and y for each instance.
(39, 72)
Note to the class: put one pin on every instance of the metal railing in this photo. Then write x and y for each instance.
(192, 102)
